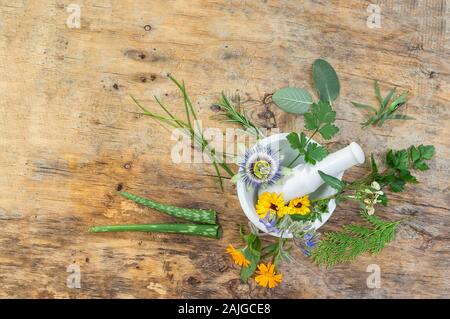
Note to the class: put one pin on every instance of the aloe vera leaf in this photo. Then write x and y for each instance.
(210, 231)
(196, 215)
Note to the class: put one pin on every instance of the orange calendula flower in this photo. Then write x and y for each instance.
(270, 203)
(298, 206)
(238, 256)
(267, 277)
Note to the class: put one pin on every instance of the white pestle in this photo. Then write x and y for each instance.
(305, 178)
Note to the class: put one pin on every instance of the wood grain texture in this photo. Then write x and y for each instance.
(69, 137)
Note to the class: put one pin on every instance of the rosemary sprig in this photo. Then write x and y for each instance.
(235, 114)
(187, 126)
(387, 107)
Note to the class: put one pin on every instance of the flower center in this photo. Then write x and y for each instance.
(274, 207)
(261, 169)
(298, 205)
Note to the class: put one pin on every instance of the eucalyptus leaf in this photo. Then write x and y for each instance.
(293, 100)
(325, 80)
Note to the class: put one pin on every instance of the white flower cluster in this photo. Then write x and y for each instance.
(372, 195)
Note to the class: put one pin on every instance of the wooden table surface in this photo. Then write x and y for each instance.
(70, 136)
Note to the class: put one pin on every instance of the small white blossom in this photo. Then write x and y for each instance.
(375, 186)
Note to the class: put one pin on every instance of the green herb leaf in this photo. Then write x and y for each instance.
(397, 185)
(311, 151)
(320, 119)
(332, 181)
(326, 80)
(293, 100)
(388, 98)
(426, 152)
(365, 106)
(354, 240)
(253, 253)
(297, 142)
(328, 131)
(414, 154)
(397, 159)
(418, 155)
(386, 108)
(234, 114)
(378, 92)
(315, 153)
(247, 272)
(421, 165)
(373, 164)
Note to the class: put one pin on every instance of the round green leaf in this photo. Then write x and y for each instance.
(293, 100)
(325, 80)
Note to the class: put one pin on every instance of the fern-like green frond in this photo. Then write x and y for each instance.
(354, 240)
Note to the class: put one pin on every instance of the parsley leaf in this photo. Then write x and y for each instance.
(399, 165)
(311, 151)
(315, 153)
(328, 131)
(320, 119)
(418, 155)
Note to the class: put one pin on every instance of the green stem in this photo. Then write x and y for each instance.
(196, 215)
(211, 231)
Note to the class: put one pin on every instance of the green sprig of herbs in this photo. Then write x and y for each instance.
(387, 106)
(191, 127)
(399, 165)
(234, 114)
(320, 120)
(354, 240)
(319, 117)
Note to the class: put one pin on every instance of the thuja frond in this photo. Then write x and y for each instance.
(234, 114)
(354, 240)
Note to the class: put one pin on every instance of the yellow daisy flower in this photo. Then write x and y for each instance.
(299, 206)
(267, 277)
(238, 256)
(270, 202)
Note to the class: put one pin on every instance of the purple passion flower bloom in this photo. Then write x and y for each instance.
(260, 165)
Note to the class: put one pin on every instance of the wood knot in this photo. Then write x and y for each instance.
(127, 165)
(215, 108)
(193, 281)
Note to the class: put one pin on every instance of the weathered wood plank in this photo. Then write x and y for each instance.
(70, 137)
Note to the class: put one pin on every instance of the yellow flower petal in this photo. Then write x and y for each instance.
(266, 276)
(299, 206)
(269, 203)
(238, 256)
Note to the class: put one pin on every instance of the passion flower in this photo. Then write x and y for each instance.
(260, 166)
